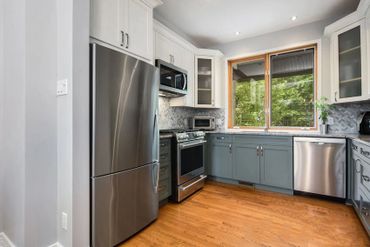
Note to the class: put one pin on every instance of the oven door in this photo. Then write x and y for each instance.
(190, 160)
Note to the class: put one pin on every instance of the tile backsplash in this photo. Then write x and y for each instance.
(177, 117)
(343, 118)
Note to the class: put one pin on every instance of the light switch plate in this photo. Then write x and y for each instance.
(62, 87)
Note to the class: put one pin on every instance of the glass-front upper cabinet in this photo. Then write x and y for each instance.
(204, 81)
(349, 64)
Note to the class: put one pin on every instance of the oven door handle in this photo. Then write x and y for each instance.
(193, 144)
(202, 177)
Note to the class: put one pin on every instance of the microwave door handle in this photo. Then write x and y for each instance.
(185, 81)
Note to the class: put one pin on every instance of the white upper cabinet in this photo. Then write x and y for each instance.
(208, 79)
(140, 29)
(349, 61)
(104, 21)
(203, 89)
(125, 24)
(349, 56)
(169, 50)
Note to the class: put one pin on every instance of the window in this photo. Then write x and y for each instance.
(274, 91)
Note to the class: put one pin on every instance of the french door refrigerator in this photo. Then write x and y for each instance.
(124, 145)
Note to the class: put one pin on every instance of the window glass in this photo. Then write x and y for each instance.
(249, 93)
(292, 89)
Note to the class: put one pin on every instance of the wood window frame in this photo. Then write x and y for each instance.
(267, 58)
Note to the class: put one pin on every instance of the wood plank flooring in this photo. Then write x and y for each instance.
(227, 215)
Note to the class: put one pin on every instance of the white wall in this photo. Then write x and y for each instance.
(14, 120)
(81, 152)
(64, 119)
(1, 112)
(41, 125)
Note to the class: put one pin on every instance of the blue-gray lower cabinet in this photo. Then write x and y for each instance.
(246, 163)
(276, 166)
(262, 160)
(220, 156)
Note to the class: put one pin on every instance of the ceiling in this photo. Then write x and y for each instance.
(208, 23)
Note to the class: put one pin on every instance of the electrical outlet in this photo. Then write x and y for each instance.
(62, 87)
(65, 221)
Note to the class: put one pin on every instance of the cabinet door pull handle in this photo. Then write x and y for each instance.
(230, 148)
(122, 38)
(335, 96)
(261, 150)
(365, 153)
(220, 137)
(354, 147)
(366, 178)
(258, 150)
(127, 41)
(359, 169)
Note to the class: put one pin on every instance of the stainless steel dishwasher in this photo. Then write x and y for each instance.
(320, 166)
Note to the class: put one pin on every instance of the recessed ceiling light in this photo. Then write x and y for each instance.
(237, 33)
(293, 18)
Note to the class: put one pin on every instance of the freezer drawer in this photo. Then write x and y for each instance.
(123, 204)
(320, 166)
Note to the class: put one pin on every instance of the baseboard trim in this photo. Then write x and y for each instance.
(6, 240)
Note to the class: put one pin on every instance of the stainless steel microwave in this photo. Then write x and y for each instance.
(173, 80)
(202, 123)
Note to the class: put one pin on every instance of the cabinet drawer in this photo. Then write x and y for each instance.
(220, 138)
(260, 140)
(164, 172)
(362, 150)
(165, 146)
(165, 158)
(164, 189)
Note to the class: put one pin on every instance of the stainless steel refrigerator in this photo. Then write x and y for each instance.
(124, 146)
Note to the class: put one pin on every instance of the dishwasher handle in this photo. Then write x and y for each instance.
(320, 141)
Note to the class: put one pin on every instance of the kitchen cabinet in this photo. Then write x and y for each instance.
(204, 68)
(221, 160)
(247, 163)
(349, 61)
(124, 24)
(276, 166)
(171, 49)
(349, 56)
(360, 181)
(219, 156)
(208, 79)
(164, 184)
(261, 160)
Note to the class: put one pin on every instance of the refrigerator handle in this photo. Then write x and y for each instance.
(156, 137)
(156, 168)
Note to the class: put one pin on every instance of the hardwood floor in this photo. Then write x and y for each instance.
(226, 215)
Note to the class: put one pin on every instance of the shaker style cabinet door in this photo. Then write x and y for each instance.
(125, 24)
(277, 166)
(105, 20)
(246, 163)
(349, 61)
(220, 160)
(140, 29)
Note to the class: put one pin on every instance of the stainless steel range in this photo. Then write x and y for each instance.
(188, 151)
